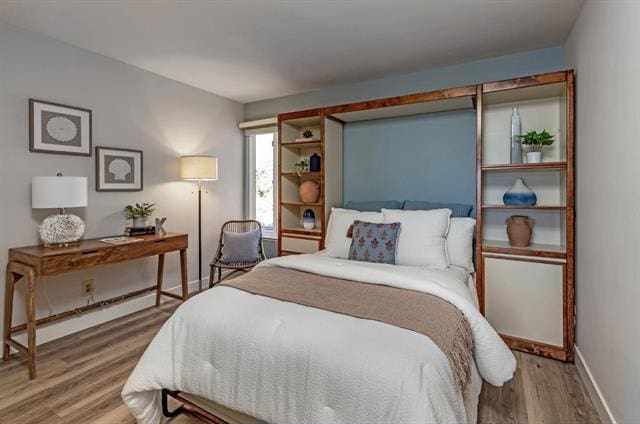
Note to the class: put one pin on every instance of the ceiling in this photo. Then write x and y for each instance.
(249, 50)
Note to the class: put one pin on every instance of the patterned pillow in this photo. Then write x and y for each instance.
(372, 242)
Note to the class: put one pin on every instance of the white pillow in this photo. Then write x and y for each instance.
(337, 243)
(460, 242)
(422, 237)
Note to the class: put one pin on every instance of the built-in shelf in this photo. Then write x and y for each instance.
(302, 174)
(301, 204)
(301, 230)
(534, 249)
(302, 144)
(526, 207)
(525, 166)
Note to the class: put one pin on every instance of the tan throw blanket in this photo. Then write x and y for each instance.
(423, 313)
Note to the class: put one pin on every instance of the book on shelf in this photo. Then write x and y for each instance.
(138, 231)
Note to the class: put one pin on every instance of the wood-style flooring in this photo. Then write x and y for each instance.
(80, 378)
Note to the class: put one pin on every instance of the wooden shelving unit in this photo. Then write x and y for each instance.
(327, 142)
(527, 293)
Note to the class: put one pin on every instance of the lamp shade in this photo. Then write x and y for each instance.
(58, 192)
(199, 168)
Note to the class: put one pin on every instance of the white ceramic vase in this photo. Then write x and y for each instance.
(534, 157)
(139, 222)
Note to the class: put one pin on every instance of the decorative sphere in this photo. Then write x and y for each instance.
(309, 191)
(61, 229)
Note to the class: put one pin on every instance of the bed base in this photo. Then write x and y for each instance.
(187, 407)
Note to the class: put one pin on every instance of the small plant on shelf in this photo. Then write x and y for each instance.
(307, 134)
(302, 166)
(536, 142)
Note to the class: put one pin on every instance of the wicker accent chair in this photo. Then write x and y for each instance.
(218, 263)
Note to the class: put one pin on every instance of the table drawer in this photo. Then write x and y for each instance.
(58, 264)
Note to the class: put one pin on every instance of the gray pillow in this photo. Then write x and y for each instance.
(458, 210)
(373, 206)
(241, 247)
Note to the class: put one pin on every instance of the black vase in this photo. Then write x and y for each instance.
(314, 163)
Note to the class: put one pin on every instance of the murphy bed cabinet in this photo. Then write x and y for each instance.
(326, 142)
(527, 294)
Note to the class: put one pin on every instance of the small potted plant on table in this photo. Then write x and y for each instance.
(139, 213)
(535, 142)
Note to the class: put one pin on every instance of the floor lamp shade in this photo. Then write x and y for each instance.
(58, 192)
(199, 168)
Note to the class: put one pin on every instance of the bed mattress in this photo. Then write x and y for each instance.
(288, 363)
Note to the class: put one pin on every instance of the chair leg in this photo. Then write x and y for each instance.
(212, 271)
(219, 274)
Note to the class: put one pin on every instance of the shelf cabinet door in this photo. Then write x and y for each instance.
(524, 298)
(293, 244)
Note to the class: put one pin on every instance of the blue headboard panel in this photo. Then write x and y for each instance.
(422, 157)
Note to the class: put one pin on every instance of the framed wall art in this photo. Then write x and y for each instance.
(118, 169)
(59, 129)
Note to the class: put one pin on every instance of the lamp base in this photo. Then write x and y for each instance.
(61, 230)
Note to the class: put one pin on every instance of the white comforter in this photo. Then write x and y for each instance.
(286, 363)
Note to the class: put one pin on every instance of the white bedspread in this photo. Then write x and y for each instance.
(286, 363)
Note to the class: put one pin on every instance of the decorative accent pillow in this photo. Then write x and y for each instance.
(460, 242)
(374, 242)
(422, 240)
(337, 243)
(457, 210)
(374, 205)
(240, 247)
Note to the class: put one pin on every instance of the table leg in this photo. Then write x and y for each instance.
(160, 276)
(183, 274)
(31, 320)
(8, 312)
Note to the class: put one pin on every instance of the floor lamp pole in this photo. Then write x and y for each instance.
(199, 235)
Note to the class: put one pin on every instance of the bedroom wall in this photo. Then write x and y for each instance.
(131, 108)
(418, 157)
(603, 48)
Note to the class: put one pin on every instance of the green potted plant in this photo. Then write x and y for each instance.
(139, 213)
(535, 142)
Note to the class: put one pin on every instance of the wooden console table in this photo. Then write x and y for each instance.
(28, 263)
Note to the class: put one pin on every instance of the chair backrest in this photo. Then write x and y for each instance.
(240, 226)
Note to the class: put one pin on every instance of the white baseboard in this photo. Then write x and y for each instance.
(594, 391)
(57, 330)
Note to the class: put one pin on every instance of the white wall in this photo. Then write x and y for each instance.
(604, 48)
(131, 108)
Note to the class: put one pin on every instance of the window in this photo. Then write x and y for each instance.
(262, 190)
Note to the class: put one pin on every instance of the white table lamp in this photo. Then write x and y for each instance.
(199, 168)
(59, 193)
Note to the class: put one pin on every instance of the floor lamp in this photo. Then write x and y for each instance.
(199, 168)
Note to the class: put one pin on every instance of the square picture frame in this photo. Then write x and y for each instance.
(119, 169)
(59, 129)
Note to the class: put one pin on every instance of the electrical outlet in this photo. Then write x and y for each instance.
(87, 287)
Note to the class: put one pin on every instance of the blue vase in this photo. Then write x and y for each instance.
(520, 194)
(314, 163)
(308, 219)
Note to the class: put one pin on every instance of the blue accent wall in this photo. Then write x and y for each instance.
(421, 157)
(479, 71)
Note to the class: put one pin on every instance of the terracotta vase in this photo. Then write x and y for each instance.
(519, 230)
(309, 191)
